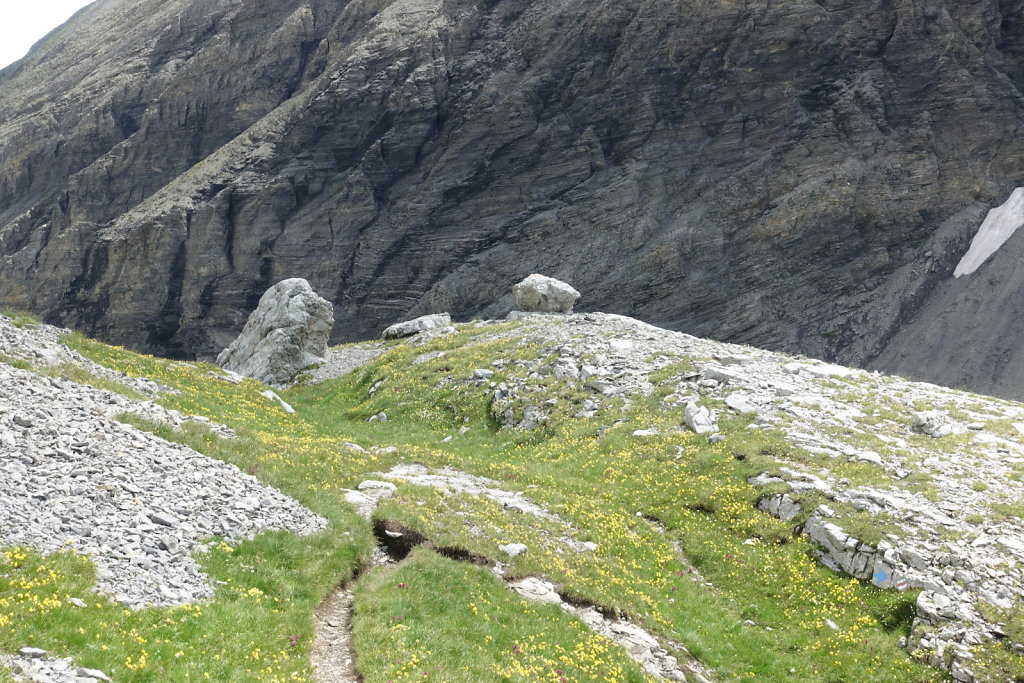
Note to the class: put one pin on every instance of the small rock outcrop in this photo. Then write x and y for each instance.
(421, 324)
(700, 419)
(934, 423)
(781, 506)
(542, 294)
(287, 332)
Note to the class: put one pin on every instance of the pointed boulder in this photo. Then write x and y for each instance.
(286, 333)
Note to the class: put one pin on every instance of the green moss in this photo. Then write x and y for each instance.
(1008, 509)
(999, 660)
(21, 319)
(19, 363)
(675, 370)
(80, 375)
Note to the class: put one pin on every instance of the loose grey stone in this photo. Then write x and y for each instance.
(136, 504)
(934, 423)
(700, 419)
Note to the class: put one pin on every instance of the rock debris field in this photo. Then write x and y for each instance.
(73, 477)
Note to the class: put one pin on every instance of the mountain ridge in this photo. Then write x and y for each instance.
(801, 177)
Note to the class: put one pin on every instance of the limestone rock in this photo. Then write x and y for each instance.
(540, 590)
(741, 403)
(286, 333)
(723, 375)
(781, 506)
(934, 423)
(542, 294)
(37, 667)
(272, 396)
(513, 549)
(935, 606)
(421, 324)
(841, 551)
(763, 479)
(377, 485)
(700, 419)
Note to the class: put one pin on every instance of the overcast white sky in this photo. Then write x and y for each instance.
(23, 23)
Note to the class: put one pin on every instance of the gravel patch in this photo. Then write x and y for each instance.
(32, 664)
(333, 656)
(71, 477)
(342, 361)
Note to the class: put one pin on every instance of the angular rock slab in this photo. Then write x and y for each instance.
(287, 332)
(781, 506)
(700, 419)
(542, 294)
(421, 324)
(934, 423)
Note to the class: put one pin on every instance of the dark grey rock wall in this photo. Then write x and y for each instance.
(800, 175)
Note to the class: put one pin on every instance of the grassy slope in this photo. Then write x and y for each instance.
(710, 563)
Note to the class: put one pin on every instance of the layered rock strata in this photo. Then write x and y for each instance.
(802, 175)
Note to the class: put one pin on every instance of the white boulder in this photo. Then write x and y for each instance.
(513, 549)
(700, 419)
(286, 333)
(541, 294)
(540, 590)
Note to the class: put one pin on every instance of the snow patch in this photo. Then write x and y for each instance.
(999, 226)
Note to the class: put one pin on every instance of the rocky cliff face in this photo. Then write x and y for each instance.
(801, 175)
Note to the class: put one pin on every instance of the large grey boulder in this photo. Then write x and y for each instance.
(421, 324)
(542, 294)
(287, 332)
